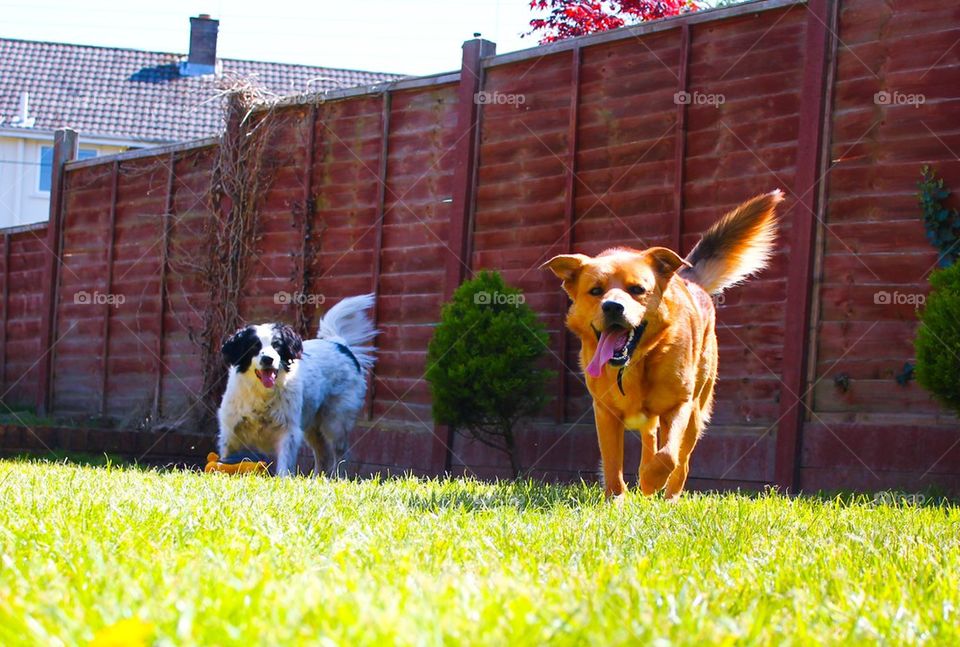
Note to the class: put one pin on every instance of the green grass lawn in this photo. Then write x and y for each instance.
(226, 560)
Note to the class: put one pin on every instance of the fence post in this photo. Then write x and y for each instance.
(304, 269)
(111, 232)
(6, 311)
(64, 150)
(569, 222)
(461, 229)
(680, 141)
(164, 296)
(385, 109)
(802, 215)
(465, 158)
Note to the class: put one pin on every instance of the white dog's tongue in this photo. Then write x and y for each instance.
(608, 344)
(268, 377)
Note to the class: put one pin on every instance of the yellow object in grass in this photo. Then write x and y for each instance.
(236, 465)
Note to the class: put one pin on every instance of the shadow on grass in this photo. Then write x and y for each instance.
(70, 458)
(525, 494)
(534, 495)
(930, 497)
(471, 495)
(104, 461)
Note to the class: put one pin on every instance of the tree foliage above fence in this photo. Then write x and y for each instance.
(570, 18)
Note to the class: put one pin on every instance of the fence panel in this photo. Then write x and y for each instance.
(78, 352)
(894, 111)
(23, 254)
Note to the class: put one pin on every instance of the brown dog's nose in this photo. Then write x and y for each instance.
(611, 308)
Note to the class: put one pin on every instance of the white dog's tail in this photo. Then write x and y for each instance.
(347, 323)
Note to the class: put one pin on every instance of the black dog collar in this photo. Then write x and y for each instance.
(346, 351)
(640, 329)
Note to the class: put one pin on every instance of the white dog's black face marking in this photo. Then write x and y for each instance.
(269, 348)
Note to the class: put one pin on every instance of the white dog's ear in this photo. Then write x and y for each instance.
(240, 347)
(291, 345)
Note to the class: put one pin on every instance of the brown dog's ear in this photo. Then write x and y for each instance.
(665, 261)
(566, 266)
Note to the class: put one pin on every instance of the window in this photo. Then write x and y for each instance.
(46, 165)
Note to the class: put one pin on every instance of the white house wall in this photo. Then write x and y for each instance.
(21, 203)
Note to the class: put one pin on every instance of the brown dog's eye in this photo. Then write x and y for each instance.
(636, 290)
(597, 291)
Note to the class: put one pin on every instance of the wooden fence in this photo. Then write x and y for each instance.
(640, 136)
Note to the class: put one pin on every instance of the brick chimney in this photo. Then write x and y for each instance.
(203, 47)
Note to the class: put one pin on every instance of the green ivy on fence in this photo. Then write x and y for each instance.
(942, 224)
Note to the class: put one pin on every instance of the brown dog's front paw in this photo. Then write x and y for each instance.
(646, 484)
(654, 474)
(614, 492)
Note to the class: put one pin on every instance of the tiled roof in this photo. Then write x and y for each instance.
(138, 95)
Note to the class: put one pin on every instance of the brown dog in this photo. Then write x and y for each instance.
(646, 323)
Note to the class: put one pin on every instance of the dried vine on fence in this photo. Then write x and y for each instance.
(242, 172)
(305, 270)
(241, 176)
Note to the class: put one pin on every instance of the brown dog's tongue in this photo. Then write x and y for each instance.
(609, 342)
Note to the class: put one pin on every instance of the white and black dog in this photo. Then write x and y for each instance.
(282, 390)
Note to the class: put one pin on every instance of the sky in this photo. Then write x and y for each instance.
(402, 36)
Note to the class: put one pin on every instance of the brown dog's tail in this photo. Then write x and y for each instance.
(737, 246)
